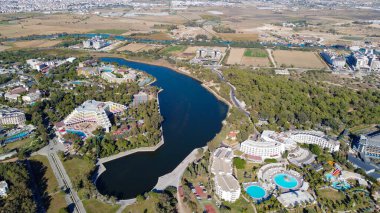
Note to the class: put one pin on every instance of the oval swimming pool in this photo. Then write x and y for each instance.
(256, 192)
(285, 181)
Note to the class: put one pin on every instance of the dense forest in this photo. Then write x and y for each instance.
(20, 197)
(302, 102)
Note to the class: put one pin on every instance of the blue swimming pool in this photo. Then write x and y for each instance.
(341, 185)
(256, 192)
(285, 181)
(79, 133)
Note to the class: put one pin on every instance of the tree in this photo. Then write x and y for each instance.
(239, 163)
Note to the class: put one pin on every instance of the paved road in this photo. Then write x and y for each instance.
(174, 178)
(72, 198)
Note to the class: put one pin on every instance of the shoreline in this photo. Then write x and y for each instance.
(100, 161)
(170, 66)
(162, 181)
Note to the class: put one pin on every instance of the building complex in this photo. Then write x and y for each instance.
(11, 116)
(226, 186)
(369, 145)
(89, 116)
(272, 145)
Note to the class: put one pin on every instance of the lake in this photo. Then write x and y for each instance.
(192, 117)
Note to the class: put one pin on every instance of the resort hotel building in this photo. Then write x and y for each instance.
(226, 186)
(369, 145)
(315, 137)
(262, 149)
(11, 116)
(90, 115)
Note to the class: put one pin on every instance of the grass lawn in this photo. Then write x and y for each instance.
(19, 144)
(255, 52)
(240, 205)
(248, 168)
(57, 202)
(148, 205)
(331, 194)
(95, 206)
(57, 197)
(109, 31)
(176, 48)
(78, 168)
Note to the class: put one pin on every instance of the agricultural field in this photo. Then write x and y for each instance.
(299, 59)
(3, 47)
(248, 57)
(35, 43)
(153, 36)
(139, 47)
(239, 36)
(173, 49)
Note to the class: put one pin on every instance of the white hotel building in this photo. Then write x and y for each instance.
(315, 137)
(262, 149)
(226, 186)
(11, 116)
(96, 112)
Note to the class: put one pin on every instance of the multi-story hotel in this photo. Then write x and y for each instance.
(11, 116)
(315, 137)
(93, 111)
(262, 149)
(369, 144)
(226, 186)
(112, 78)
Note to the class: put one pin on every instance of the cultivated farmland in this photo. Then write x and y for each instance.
(301, 59)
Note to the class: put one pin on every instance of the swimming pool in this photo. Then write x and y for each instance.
(77, 132)
(341, 185)
(285, 181)
(255, 192)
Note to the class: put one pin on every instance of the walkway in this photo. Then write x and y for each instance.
(271, 58)
(174, 178)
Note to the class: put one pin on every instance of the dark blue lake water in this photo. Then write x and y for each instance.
(192, 117)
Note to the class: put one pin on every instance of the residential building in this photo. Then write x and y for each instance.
(32, 96)
(4, 188)
(11, 116)
(95, 112)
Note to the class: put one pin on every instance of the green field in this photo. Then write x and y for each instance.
(19, 144)
(331, 194)
(255, 52)
(95, 206)
(110, 31)
(171, 49)
(78, 169)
